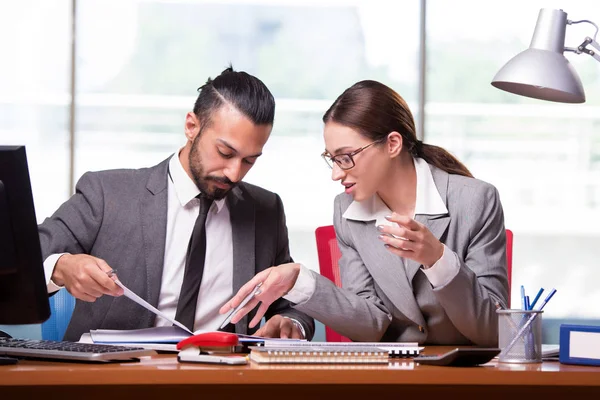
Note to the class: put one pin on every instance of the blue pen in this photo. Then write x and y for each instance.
(547, 299)
(537, 296)
(529, 336)
(523, 297)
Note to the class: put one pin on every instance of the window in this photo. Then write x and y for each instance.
(138, 77)
(543, 157)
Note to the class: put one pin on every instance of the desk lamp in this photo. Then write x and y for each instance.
(542, 71)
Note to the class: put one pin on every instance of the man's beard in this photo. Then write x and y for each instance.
(202, 181)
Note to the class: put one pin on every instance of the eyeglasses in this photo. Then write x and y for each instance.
(346, 160)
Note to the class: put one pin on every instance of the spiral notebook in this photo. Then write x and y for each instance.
(394, 349)
(318, 355)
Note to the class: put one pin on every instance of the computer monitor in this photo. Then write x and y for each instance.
(23, 293)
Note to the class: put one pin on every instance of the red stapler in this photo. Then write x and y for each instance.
(203, 347)
(223, 342)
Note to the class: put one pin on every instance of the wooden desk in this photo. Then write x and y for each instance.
(162, 376)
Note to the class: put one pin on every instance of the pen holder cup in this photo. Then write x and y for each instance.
(520, 336)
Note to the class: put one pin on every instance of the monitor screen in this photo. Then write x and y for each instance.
(23, 293)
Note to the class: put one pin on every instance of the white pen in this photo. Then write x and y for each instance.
(242, 304)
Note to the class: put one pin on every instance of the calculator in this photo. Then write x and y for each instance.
(460, 357)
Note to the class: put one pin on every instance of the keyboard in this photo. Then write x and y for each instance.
(69, 351)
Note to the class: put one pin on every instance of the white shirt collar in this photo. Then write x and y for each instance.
(428, 201)
(184, 186)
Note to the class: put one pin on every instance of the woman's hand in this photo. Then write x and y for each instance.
(411, 239)
(276, 282)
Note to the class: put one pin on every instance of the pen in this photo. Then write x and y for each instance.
(536, 298)
(529, 335)
(254, 292)
(523, 297)
(547, 299)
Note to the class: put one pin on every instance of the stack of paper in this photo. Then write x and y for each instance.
(394, 349)
(318, 355)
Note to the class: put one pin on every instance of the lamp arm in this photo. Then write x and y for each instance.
(582, 48)
(594, 44)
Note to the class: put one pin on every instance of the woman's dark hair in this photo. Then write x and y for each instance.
(245, 92)
(375, 110)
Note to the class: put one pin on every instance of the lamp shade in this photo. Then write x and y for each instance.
(542, 71)
(542, 75)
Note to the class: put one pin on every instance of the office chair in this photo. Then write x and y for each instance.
(61, 307)
(329, 256)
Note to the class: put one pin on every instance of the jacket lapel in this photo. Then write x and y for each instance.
(437, 224)
(243, 216)
(388, 271)
(153, 216)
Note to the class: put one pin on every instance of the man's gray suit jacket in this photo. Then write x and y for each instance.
(121, 216)
(386, 298)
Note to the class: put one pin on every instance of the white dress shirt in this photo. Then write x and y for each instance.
(217, 280)
(428, 202)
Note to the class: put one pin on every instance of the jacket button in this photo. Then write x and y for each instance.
(421, 329)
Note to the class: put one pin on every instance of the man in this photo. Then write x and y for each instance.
(185, 234)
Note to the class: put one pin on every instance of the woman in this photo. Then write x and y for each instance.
(422, 241)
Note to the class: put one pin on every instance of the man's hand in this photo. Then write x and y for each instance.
(85, 277)
(276, 282)
(280, 327)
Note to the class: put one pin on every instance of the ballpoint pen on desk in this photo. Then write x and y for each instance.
(528, 323)
(254, 292)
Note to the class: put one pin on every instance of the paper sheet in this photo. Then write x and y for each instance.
(129, 294)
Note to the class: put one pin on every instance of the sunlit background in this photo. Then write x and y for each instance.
(138, 64)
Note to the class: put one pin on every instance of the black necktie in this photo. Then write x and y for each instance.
(194, 267)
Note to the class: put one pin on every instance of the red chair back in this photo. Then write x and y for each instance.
(509, 249)
(329, 257)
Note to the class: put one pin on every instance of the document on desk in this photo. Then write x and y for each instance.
(550, 352)
(165, 335)
(167, 347)
(159, 334)
(129, 294)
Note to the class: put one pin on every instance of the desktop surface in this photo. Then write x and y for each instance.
(163, 375)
